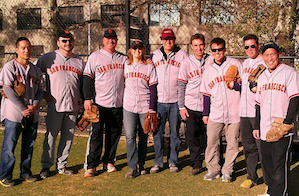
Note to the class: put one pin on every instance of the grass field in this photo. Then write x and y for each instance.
(163, 183)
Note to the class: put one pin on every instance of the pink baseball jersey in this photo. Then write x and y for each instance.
(138, 78)
(191, 72)
(31, 76)
(167, 71)
(62, 79)
(247, 104)
(108, 72)
(275, 89)
(225, 102)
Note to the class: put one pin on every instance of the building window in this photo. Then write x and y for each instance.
(37, 51)
(164, 14)
(112, 15)
(2, 52)
(71, 15)
(1, 20)
(29, 18)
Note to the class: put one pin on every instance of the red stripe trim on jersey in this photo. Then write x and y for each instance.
(295, 95)
(153, 83)
(205, 94)
(1, 84)
(257, 102)
(186, 81)
(88, 74)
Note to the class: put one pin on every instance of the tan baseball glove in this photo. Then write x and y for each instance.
(88, 117)
(18, 87)
(151, 122)
(252, 79)
(278, 130)
(232, 75)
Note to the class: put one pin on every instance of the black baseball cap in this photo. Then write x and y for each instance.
(65, 34)
(136, 44)
(110, 33)
(270, 45)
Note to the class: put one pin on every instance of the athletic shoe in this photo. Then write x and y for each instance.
(132, 173)
(194, 171)
(155, 169)
(141, 170)
(173, 168)
(45, 173)
(29, 179)
(65, 171)
(248, 184)
(211, 176)
(109, 167)
(265, 194)
(89, 172)
(7, 183)
(226, 178)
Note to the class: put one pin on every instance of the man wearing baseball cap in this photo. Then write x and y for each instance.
(63, 71)
(167, 61)
(103, 86)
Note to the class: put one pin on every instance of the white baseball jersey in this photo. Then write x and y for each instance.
(225, 102)
(31, 77)
(167, 71)
(62, 79)
(247, 104)
(138, 78)
(191, 72)
(108, 72)
(274, 92)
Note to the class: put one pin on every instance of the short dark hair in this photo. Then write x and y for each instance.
(218, 41)
(21, 39)
(197, 36)
(251, 36)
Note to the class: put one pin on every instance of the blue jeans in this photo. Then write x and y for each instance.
(133, 123)
(168, 111)
(11, 134)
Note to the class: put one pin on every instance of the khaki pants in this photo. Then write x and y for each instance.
(212, 154)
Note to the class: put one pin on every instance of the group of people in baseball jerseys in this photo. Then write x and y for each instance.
(177, 86)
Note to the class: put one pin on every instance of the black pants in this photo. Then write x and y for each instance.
(111, 122)
(196, 138)
(276, 165)
(251, 148)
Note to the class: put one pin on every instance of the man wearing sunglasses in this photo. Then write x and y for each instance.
(63, 71)
(221, 110)
(167, 61)
(247, 110)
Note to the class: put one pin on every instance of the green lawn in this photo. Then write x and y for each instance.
(163, 183)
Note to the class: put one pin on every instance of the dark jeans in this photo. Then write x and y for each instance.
(196, 137)
(11, 135)
(111, 121)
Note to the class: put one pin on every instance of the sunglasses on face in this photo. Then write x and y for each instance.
(219, 50)
(251, 46)
(67, 40)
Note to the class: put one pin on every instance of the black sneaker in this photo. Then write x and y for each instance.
(65, 171)
(29, 178)
(132, 173)
(45, 173)
(7, 183)
(194, 171)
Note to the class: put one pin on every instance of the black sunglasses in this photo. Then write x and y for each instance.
(67, 40)
(252, 46)
(219, 49)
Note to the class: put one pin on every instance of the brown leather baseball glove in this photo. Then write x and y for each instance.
(232, 75)
(278, 130)
(151, 122)
(88, 117)
(18, 87)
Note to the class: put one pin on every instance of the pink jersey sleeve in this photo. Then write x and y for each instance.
(153, 79)
(90, 66)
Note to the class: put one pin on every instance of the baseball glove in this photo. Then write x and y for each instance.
(88, 117)
(151, 122)
(278, 130)
(252, 79)
(18, 87)
(232, 75)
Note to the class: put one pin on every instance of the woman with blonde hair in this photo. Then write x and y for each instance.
(140, 96)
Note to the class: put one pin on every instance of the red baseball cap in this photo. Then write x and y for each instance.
(167, 33)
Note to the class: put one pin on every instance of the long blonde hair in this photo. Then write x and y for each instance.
(130, 56)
